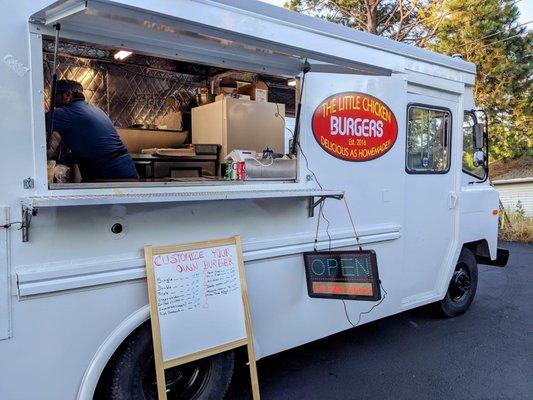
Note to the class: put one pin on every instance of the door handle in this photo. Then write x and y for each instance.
(452, 200)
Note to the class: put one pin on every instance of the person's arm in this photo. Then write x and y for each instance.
(47, 120)
(58, 145)
(53, 146)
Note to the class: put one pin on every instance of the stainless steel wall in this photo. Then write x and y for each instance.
(130, 94)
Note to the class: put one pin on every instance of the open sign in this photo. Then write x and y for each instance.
(351, 275)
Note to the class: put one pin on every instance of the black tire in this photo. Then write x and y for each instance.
(462, 287)
(130, 375)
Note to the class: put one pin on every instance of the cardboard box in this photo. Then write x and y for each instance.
(233, 96)
(257, 91)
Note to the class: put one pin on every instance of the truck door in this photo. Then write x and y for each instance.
(353, 138)
(430, 197)
(402, 183)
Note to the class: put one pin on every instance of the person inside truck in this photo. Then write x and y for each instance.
(89, 135)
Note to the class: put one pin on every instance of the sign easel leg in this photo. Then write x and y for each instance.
(161, 383)
(248, 323)
(253, 370)
(154, 321)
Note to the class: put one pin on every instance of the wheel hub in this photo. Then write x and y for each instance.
(185, 382)
(461, 283)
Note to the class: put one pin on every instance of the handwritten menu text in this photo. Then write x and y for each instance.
(190, 280)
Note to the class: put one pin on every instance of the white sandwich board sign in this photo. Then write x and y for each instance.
(198, 304)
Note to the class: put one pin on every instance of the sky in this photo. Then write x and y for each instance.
(525, 6)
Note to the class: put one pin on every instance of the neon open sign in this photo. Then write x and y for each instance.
(349, 275)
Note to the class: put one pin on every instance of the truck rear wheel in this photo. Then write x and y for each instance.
(130, 375)
(462, 288)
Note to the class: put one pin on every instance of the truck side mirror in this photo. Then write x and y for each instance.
(479, 158)
(479, 136)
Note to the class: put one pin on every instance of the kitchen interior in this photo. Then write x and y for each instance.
(183, 123)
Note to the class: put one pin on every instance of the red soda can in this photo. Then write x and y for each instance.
(241, 171)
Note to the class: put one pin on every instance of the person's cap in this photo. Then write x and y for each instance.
(64, 85)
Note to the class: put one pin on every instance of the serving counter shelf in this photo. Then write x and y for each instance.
(196, 182)
(31, 205)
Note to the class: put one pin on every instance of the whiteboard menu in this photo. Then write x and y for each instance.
(198, 304)
(199, 299)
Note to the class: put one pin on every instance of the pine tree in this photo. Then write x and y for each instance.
(411, 21)
(487, 33)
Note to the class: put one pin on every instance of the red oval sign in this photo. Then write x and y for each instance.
(354, 126)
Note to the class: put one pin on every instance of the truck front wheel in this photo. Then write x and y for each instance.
(462, 288)
(130, 375)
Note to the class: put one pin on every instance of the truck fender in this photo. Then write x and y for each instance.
(110, 345)
(107, 349)
(443, 284)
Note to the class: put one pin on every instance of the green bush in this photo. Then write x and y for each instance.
(516, 226)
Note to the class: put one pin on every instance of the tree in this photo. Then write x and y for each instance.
(411, 21)
(501, 48)
(485, 32)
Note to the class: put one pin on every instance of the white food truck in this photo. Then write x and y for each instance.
(386, 135)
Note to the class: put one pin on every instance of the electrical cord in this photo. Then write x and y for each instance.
(261, 164)
(299, 147)
(321, 209)
(321, 214)
(313, 175)
(327, 228)
(364, 312)
(10, 224)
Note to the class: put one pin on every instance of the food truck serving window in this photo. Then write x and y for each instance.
(197, 103)
(428, 140)
(125, 118)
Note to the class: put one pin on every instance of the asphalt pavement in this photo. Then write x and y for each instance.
(486, 353)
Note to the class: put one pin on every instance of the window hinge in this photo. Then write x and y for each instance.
(28, 183)
(27, 213)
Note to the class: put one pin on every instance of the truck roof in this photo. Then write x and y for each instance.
(251, 22)
(350, 34)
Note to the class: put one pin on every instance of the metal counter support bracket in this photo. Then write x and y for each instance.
(27, 213)
(313, 204)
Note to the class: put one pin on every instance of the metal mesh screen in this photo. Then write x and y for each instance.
(90, 74)
(142, 95)
(147, 89)
(129, 94)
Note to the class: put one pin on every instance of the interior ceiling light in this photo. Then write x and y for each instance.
(291, 82)
(122, 54)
